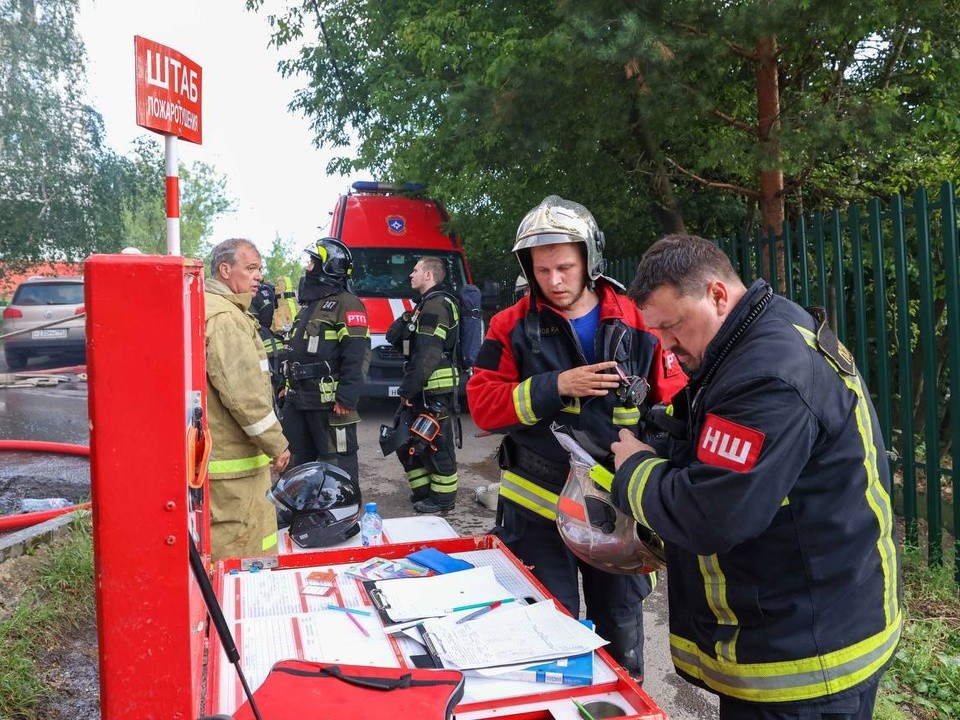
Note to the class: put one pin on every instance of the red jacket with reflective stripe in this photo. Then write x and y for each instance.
(507, 359)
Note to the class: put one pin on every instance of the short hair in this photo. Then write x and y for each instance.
(434, 265)
(226, 252)
(686, 263)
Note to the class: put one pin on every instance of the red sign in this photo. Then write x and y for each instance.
(169, 91)
(730, 445)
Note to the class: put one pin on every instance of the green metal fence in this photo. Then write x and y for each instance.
(889, 278)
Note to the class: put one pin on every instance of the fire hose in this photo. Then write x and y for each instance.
(24, 520)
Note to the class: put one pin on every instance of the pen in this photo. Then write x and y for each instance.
(479, 605)
(356, 622)
(584, 713)
(351, 611)
(478, 613)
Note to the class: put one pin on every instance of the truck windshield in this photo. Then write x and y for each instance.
(385, 272)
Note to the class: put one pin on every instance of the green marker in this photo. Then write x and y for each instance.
(584, 713)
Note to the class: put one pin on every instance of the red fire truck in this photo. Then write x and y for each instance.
(388, 228)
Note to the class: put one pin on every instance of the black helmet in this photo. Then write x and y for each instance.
(332, 256)
(323, 501)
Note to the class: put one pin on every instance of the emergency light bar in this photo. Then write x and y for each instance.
(373, 186)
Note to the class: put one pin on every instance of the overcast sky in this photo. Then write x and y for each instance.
(273, 171)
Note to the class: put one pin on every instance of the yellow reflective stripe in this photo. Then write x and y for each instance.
(523, 404)
(440, 332)
(626, 416)
(230, 466)
(444, 483)
(443, 378)
(330, 335)
(572, 407)
(715, 591)
(528, 495)
(636, 484)
(269, 542)
(602, 477)
(418, 478)
(877, 497)
(789, 680)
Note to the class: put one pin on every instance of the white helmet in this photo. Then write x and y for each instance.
(555, 221)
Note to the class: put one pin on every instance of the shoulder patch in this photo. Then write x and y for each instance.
(671, 366)
(329, 305)
(355, 318)
(728, 444)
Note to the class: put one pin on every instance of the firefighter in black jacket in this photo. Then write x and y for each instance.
(772, 496)
(427, 337)
(329, 352)
(262, 307)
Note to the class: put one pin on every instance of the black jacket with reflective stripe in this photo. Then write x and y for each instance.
(775, 509)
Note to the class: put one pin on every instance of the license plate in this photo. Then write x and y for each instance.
(49, 333)
(393, 391)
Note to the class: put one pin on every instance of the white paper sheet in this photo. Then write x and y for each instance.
(410, 598)
(515, 634)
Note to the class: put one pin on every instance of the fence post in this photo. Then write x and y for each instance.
(951, 268)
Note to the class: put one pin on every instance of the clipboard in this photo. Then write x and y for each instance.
(404, 599)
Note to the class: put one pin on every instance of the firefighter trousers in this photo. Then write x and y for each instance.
(314, 435)
(613, 602)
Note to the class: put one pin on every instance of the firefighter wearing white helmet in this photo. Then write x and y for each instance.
(329, 352)
(566, 355)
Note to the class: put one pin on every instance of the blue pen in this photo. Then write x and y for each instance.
(352, 611)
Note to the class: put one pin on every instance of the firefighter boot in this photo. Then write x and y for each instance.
(437, 503)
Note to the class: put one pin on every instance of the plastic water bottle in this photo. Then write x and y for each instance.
(29, 505)
(371, 526)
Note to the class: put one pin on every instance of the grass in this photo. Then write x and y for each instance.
(59, 599)
(922, 683)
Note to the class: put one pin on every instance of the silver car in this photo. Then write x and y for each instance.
(32, 314)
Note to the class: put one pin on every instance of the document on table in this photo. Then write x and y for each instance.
(412, 598)
(513, 634)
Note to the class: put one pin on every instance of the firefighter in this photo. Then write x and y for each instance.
(286, 307)
(772, 496)
(551, 358)
(327, 359)
(263, 307)
(427, 337)
(246, 434)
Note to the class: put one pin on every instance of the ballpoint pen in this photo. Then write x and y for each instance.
(584, 713)
(480, 612)
(351, 611)
(479, 605)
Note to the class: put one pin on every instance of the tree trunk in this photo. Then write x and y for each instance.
(771, 176)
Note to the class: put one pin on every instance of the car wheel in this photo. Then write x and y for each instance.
(15, 360)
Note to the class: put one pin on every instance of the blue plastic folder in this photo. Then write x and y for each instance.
(438, 561)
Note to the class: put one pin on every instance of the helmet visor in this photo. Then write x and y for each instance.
(545, 239)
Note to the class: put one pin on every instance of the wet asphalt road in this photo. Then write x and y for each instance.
(59, 414)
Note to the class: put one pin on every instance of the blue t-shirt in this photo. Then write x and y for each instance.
(586, 329)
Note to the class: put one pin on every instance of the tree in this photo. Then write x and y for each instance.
(202, 200)
(53, 197)
(281, 262)
(657, 116)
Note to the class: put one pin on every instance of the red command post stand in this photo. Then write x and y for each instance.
(147, 380)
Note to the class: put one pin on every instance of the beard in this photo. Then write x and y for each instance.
(571, 301)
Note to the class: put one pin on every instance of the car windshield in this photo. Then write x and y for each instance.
(385, 273)
(49, 294)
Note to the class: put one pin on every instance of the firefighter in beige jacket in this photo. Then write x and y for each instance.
(246, 434)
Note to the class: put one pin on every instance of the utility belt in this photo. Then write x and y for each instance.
(513, 456)
(307, 371)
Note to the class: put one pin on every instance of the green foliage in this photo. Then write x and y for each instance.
(55, 172)
(60, 596)
(202, 200)
(282, 262)
(631, 109)
(925, 674)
